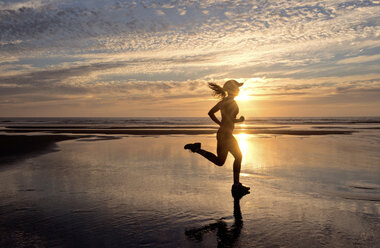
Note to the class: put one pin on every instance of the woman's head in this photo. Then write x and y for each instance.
(231, 87)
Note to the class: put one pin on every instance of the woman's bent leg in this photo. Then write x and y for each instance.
(222, 151)
(209, 155)
(218, 160)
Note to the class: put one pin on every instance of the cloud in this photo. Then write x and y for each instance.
(128, 26)
(359, 59)
(280, 94)
(52, 76)
(103, 49)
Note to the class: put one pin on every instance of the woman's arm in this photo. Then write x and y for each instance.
(212, 112)
(241, 119)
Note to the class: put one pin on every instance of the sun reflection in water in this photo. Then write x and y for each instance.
(243, 143)
(248, 149)
(244, 174)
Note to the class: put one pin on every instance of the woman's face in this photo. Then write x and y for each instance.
(234, 92)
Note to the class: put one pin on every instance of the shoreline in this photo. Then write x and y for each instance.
(163, 131)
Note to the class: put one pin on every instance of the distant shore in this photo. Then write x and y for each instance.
(168, 131)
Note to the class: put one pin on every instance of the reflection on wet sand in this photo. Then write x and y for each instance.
(225, 236)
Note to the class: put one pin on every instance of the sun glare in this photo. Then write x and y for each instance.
(249, 151)
(243, 96)
(243, 143)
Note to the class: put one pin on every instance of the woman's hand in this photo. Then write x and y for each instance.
(241, 119)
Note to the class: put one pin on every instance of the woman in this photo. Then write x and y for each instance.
(226, 141)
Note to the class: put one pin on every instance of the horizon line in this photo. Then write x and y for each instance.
(331, 116)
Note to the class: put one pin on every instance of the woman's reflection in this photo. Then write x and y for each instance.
(226, 236)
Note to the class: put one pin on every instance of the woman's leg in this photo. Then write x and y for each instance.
(222, 151)
(235, 151)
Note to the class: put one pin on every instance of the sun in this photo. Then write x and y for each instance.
(243, 96)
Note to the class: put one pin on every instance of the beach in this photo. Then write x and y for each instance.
(116, 185)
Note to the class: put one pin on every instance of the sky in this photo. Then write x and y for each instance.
(154, 58)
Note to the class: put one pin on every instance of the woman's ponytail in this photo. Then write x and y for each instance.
(217, 90)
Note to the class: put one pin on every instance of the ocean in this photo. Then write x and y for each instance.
(185, 121)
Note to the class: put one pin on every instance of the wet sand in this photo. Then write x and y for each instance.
(315, 191)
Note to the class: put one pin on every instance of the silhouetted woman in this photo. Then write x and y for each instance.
(226, 141)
